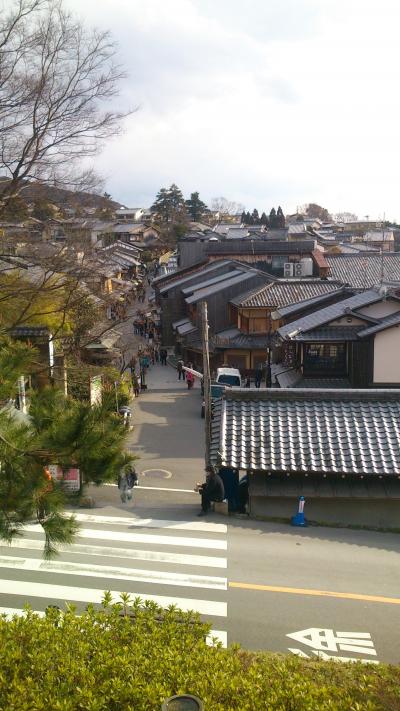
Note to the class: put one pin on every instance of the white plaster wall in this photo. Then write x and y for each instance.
(387, 356)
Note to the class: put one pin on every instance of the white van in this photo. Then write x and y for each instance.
(229, 376)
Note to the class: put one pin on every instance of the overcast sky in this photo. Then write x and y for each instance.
(266, 102)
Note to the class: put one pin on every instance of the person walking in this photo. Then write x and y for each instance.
(212, 490)
(126, 481)
(189, 380)
(258, 377)
(135, 384)
(179, 368)
(163, 356)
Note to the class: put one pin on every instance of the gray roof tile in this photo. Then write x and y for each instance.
(284, 292)
(364, 271)
(330, 313)
(340, 431)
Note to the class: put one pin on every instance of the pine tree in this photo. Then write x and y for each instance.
(248, 219)
(59, 431)
(272, 219)
(264, 220)
(280, 218)
(243, 218)
(196, 207)
(255, 216)
(161, 206)
(169, 205)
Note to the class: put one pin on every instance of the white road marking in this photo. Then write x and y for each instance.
(74, 594)
(102, 571)
(206, 526)
(325, 640)
(10, 612)
(131, 553)
(330, 657)
(161, 488)
(148, 538)
(168, 488)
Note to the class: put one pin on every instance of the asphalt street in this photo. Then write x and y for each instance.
(312, 592)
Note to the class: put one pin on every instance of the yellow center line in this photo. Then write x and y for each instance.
(316, 593)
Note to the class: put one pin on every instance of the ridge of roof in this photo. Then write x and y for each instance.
(382, 325)
(329, 313)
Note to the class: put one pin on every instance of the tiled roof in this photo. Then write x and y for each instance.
(364, 271)
(332, 333)
(285, 311)
(186, 291)
(336, 431)
(214, 288)
(388, 322)
(282, 293)
(185, 275)
(259, 246)
(32, 331)
(234, 338)
(330, 313)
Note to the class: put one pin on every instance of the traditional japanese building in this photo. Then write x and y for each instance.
(339, 449)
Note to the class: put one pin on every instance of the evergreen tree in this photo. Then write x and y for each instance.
(248, 219)
(280, 218)
(243, 218)
(255, 216)
(264, 220)
(196, 207)
(272, 219)
(59, 431)
(161, 206)
(169, 205)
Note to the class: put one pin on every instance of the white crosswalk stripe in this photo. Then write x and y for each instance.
(163, 570)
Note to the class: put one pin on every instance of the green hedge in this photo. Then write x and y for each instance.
(101, 661)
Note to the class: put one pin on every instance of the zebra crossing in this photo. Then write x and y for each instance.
(182, 563)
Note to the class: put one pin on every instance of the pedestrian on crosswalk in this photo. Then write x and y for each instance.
(126, 481)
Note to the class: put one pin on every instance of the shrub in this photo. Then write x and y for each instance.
(106, 661)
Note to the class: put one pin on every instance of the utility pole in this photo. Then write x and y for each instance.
(206, 380)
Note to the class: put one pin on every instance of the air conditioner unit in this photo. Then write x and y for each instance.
(288, 269)
(298, 270)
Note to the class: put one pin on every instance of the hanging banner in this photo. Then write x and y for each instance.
(96, 388)
(21, 393)
(69, 478)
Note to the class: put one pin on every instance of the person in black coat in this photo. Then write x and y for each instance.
(212, 490)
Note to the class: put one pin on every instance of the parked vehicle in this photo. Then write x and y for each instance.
(229, 376)
(216, 392)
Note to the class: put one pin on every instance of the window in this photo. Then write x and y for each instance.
(324, 359)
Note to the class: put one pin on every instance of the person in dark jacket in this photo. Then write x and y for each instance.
(212, 490)
(179, 368)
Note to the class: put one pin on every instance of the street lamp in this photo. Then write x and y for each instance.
(182, 702)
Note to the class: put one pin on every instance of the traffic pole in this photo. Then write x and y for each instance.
(299, 519)
(206, 381)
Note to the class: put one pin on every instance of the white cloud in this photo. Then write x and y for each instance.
(288, 101)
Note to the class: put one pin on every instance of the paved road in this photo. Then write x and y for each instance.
(276, 576)
(335, 591)
(170, 562)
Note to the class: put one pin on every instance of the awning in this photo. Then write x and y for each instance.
(186, 327)
(181, 321)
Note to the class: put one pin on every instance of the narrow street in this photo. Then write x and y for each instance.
(312, 592)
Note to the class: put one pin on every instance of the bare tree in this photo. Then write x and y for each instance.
(226, 207)
(56, 78)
